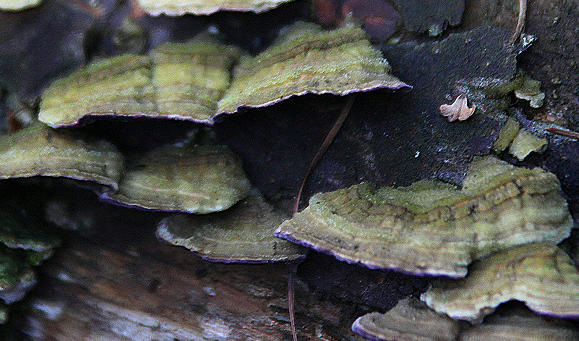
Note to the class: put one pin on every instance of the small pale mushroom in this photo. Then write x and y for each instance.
(308, 60)
(241, 234)
(39, 150)
(541, 275)
(526, 143)
(458, 109)
(530, 91)
(194, 179)
(409, 320)
(432, 228)
(507, 135)
(206, 7)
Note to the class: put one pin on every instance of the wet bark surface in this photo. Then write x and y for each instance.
(113, 280)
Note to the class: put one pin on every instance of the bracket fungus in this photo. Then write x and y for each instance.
(525, 143)
(530, 91)
(24, 233)
(206, 7)
(190, 78)
(241, 234)
(194, 179)
(178, 81)
(409, 320)
(430, 227)
(41, 150)
(520, 324)
(306, 59)
(23, 245)
(541, 275)
(191, 81)
(18, 5)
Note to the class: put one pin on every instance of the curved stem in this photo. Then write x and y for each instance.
(324, 147)
(520, 21)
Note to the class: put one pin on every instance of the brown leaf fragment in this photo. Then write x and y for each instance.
(458, 109)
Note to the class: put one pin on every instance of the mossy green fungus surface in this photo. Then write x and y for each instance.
(507, 135)
(205, 7)
(306, 59)
(178, 80)
(241, 234)
(41, 150)
(541, 275)
(12, 268)
(194, 179)
(18, 5)
(433, 228)
(191, 78)
(409, 320)
(194, 81)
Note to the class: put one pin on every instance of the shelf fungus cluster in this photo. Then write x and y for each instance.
(24, 244)
(194, 179)
(202, 79)
(242, 234)
(41, 151)
(541, 275)
(433, 228)
(205, 7)
(412, 320)
(189, 178)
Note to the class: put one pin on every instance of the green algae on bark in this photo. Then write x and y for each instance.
(194, 81)
(16, 275)
(305, 59)
(23, 232)
(41, 150)
(241, 234)
(507, 135)
(541, 275)
(433, 228)
(194, 179)
(206, 7)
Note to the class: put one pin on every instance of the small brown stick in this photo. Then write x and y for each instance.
(290, 300)
(323, 148)
(520, 21)
(327, 142)
(568, 133)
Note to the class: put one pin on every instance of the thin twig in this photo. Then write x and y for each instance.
(568, 133)
(290, 300)
(327, 142)
(520, 21)
(323, 148)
